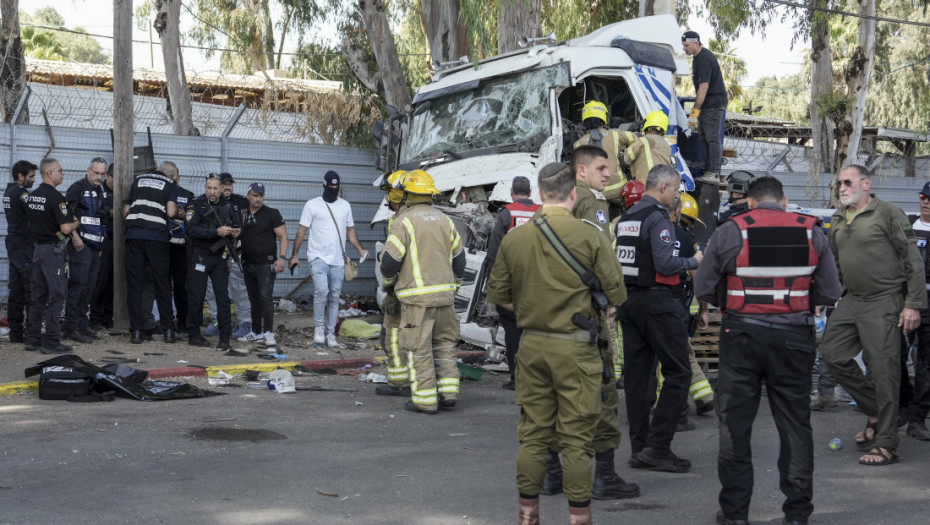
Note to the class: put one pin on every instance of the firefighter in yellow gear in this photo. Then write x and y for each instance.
(700, 391)
(398, 369)
(422, 265)
(641, 153)
(594, 119)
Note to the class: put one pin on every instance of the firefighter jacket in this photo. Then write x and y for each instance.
(610, 141)
(774, 266)
(645, 246)
(428, 248)
(641, 153)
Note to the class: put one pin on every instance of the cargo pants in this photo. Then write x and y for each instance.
(429, 335)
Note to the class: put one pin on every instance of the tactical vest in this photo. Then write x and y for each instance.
(148, 209)
(634, 250)
(774, 265)
(923, 237)
(93, 229)
(520, 213)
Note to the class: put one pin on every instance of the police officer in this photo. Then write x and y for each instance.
(101, 302)
(651, 321)
(51, 223)
(146, 211)
(398, 369)
(210, 221)
(916, 401)
(650, 149)
(238, 294)
(594, 119)
(86, 197)
(559, 368)
(518, 212)
(422, 265)
(737, 188)
(19, 246)
(762, 254)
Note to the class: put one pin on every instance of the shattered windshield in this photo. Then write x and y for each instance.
(498, 112)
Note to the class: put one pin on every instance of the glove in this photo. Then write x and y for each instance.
(459, 282)
(693, 118)
(390, 305)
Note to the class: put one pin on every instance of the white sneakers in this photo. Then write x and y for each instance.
(331, 341)
(252, 337)
(319, 335)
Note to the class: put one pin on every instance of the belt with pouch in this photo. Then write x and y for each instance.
(798, 329)
(580, 336)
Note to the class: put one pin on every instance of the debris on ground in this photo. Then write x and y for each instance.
(358, 329)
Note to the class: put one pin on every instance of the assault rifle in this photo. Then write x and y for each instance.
(229, 242)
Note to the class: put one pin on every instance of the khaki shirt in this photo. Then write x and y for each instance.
(644, 152)
(544, 290)
(877, 254)
(425, 241)
(613, 145)
(591, 205)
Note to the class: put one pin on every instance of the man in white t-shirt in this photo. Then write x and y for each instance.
(328, 218)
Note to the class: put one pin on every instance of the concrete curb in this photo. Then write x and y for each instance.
(8, 389)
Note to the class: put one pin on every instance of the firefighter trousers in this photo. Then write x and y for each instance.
(398, 369)
(429, 335)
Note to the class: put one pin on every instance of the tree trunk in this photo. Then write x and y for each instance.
(647, 8)
(390, 76)
(517, 19)
(858, 74)
(445, 31)
(821, 86)
(268, 35)
(12, 62)
(122, 149)
(167, 23)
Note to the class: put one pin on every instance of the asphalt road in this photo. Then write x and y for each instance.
(257, 457)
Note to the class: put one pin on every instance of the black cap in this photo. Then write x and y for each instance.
(553, 168)
(226, 177)
(257, 187)
(691, 36)
(331, 178)
(926, 190)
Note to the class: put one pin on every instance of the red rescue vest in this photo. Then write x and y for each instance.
(774, 265)
(520, 213)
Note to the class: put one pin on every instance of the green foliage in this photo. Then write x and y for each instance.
(572, 18)
(783, 99)
(730, 17)
(48, 44)
(834, 106)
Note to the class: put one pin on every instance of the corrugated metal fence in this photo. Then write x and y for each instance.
(292, 174)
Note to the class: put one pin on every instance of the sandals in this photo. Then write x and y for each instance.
(863, 440)
(885, 457)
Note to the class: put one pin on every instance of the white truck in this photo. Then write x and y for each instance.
(473, 128)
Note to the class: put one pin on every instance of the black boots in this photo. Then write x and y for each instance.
(607, 484)
(552, 483)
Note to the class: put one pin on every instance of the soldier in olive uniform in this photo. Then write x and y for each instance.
(559, 368)
(594, 119)
(878, 259)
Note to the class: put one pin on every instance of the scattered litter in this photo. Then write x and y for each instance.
(366, 367)
(4, 330)
(358, 329)
(330, 494)
(322, 353)
(359, 404)
(117, 352)
(273, 356)
(372, 378)
(232, 352)
(402, 476)
(183, 362)
(221, 378)
(282, 382)
(469, 372)
(287, 306)
(154, 353)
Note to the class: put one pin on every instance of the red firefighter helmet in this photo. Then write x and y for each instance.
(631, 192)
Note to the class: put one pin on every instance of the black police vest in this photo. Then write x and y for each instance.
(635, 251)
(93, 227)
(148, 209)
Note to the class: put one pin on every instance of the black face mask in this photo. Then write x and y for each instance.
(330, 194)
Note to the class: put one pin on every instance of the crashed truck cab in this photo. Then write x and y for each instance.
(474, 129)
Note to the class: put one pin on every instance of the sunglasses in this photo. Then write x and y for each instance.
(849, 182)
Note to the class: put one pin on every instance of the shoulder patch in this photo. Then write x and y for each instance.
(190, 214)
(666, 236)
(24, 197)
(601, 216)
(63, 208)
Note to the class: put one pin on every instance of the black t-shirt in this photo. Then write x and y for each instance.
(47, 212)
(704, 68)
(259, 243)
(18, 236)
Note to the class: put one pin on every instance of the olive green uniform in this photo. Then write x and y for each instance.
(590, 207)
(426, 241)
(877, 256)
(611, 143)
(641, 153)
(558, 372)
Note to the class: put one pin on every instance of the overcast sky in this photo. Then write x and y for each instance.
(763, 56)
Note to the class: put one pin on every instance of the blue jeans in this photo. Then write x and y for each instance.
(327, 285)
(711, 122)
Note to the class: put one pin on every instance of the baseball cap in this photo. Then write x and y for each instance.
(226, 177)
(691, 36)
(257, 187)
(926, 190)
(331, 178)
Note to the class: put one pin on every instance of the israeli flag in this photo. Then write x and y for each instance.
(664, 97)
